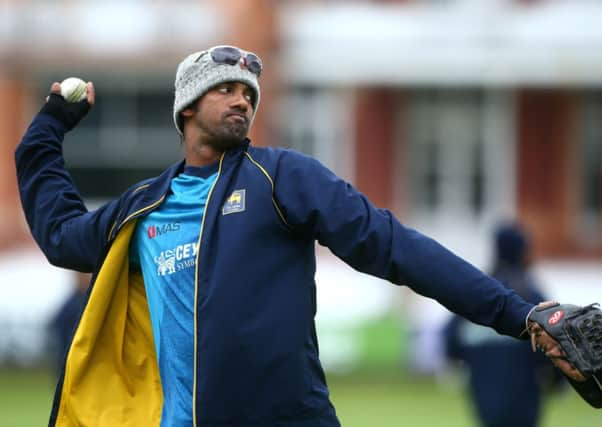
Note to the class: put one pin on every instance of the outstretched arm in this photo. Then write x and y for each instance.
(372, 240)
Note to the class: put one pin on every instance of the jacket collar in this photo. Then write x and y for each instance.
(161, 184)
(237, 151)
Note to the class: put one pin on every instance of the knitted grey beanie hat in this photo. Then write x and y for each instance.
(198, 73)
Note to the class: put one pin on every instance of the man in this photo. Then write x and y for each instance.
(506, 377)
(202, 305)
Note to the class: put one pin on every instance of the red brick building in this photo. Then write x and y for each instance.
(453, 114)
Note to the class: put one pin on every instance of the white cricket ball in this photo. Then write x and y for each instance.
(73, 89)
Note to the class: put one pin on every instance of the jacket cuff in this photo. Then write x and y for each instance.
(524, 333)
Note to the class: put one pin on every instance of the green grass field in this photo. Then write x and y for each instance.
(361, 401)
(398, 401)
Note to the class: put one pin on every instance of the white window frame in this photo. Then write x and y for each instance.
(321, 117)
(453, 221)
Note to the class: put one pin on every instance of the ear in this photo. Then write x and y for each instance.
(191, 108)
(188, 112)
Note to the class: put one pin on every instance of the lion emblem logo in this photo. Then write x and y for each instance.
(165, 265)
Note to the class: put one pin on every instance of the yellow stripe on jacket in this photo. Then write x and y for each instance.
(111, 373)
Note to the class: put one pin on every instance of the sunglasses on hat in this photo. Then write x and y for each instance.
(231, 55)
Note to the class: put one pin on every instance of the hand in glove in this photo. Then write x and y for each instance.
(68, 113)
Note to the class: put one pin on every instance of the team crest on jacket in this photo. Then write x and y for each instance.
(235, 203)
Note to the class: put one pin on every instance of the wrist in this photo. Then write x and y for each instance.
(68, 114)
(47, 119)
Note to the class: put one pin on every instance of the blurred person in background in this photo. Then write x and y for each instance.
(506, 378)
(63, 323)
(202, 304)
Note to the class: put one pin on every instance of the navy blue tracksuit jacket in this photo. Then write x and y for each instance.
(256, 353)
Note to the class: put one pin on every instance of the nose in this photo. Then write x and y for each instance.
(240, 102)
(239, 99)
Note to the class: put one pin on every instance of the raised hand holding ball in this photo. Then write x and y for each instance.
(73, 89)
(69, 101)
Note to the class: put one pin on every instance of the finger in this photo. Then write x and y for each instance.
(55, 88)
(554, 352)
(545, 342)
(91, 93)
(540, 338)
(546, 304)
(568, 369)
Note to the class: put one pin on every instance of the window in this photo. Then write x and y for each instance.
(317, 122)
(458, 165)
(128, 135)
(446, 151)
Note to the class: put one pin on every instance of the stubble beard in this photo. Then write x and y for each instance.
(226, 135)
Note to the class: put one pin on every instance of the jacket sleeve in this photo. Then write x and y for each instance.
(69, 235)
(317, 203)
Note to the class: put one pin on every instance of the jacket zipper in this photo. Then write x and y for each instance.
(196, 287)
(141, 211)
(133, 215)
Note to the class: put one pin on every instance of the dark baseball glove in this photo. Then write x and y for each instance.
(571, 336)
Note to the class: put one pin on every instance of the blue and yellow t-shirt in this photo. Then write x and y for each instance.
(165, 247)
